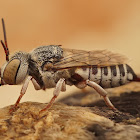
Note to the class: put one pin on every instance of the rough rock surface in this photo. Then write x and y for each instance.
(87, 119)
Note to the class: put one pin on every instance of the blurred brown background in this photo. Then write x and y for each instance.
(80, 24)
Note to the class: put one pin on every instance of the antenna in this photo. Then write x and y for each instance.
(4, 44)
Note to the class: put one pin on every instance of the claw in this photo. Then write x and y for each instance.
(41, 111)
(13, 109)
(49, 104)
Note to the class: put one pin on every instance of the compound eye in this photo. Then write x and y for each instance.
(10, 71)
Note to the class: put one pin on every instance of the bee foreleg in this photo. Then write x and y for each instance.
(60, 86)
(36, 85)
(102, 92)
(22, 92)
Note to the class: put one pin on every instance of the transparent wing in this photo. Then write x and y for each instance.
(75, 58)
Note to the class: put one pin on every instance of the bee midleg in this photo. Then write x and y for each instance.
(22, 92)
(36, 85)
(63, 86)
(60, 86)
(102, 92)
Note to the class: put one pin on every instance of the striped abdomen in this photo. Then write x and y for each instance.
(108, 76)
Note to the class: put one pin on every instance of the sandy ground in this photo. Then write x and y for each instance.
(74, 24)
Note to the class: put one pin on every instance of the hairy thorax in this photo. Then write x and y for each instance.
(50, 78)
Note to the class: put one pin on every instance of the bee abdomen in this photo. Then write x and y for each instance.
(108, 76)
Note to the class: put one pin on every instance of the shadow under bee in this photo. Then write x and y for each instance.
(128, 105)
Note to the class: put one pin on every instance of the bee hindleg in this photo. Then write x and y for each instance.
(36, 85)
(22, 92)
(81, 85)
(102, 92)
(60, 86)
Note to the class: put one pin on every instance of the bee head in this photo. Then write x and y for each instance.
(15, 70)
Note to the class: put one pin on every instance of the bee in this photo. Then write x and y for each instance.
(55, 67)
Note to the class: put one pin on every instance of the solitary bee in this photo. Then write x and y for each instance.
(54, 67)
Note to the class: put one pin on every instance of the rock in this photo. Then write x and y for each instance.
(64, 122)
(85, 117)
(125, 98)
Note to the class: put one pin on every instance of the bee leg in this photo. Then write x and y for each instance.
(60, 86)
(81, 85)
(102, 92)
(2, 82)
(63, 86)
(36, 85)
(22, 92)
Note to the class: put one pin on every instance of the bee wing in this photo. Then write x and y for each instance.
(75, 58)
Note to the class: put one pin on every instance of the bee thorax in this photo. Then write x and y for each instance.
(51, 78)
(48, 79)
(48, 66)
(44, 54)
